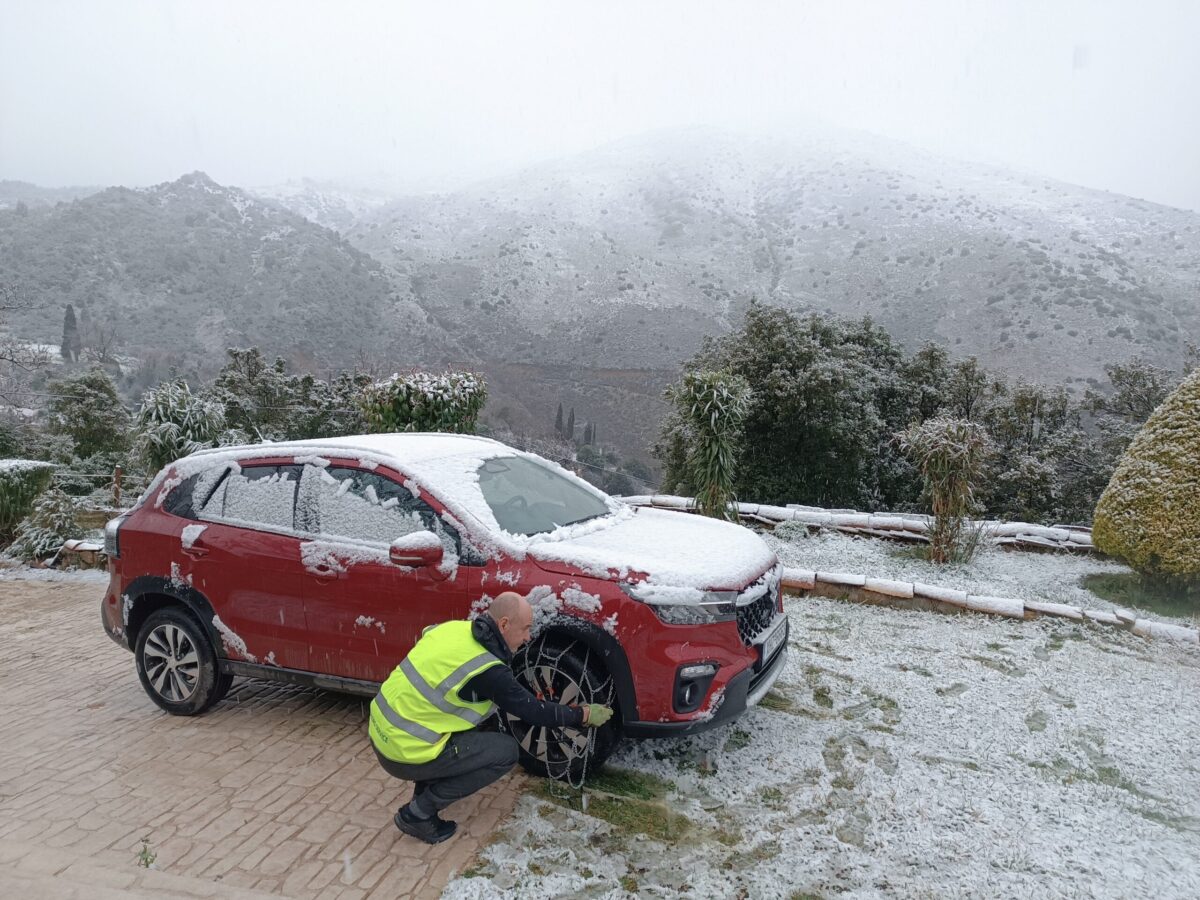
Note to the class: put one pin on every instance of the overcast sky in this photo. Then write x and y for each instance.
(1104, 93)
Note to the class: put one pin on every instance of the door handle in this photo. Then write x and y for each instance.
(324, 574)
(194, 552)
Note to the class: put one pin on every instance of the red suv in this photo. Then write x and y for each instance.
(320, 562)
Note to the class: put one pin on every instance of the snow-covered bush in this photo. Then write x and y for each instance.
(713, 407)
(21, 481)
(949, 453)
(423, 401)
(87, 408)
(1149, 515)
(43, 531)
(266, 402)
(174, 422)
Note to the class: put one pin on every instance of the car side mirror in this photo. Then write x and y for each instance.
(417, 550)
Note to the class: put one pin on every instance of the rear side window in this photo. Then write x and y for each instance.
(363, 506)
(257, 496)
(196, 493)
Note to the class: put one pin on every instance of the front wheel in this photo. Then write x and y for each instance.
(563, 671)
(176, 663)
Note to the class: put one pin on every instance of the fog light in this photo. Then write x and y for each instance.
(691, 685)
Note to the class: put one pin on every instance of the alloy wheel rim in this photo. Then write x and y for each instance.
(171, 662)
(554, 747)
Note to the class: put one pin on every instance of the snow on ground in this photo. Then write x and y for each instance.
(11, 570)
(905, 754)
(1051, 577)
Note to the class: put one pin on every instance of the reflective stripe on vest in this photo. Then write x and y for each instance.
(420, 732)
(418, 707)
(437, 695)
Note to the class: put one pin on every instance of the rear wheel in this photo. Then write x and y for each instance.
(562, 670)
(176, 663)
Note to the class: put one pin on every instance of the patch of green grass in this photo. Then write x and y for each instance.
(1130, 589)
(821, 697)
(629, 883)
(772, 797)
(738, 740)
(729, 836)
(998, 665)
(628, 783)
(919, 670)
(627, 816)
(776, 701)
(765, 851)
(845, 781)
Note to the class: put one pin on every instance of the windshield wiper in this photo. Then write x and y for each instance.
(586, 518)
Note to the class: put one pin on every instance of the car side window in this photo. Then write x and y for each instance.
(256, 496)
(339, 501)
(199, 490)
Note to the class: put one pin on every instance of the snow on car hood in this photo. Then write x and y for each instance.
(673, 549)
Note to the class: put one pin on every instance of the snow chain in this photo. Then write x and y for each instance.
(601, 693)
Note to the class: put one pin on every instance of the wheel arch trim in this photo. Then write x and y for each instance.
(141, 589)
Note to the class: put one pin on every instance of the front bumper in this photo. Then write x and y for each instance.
(742, 691)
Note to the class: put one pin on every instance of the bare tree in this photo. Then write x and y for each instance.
(18, 359)
(101, 343)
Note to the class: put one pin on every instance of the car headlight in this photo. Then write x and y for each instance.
(685, 606)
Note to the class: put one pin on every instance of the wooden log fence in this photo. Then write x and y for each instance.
(907, 527)
(915, 595)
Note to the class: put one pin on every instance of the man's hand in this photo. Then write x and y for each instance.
(595, 715)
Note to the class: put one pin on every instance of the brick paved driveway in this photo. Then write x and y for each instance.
(275, 789)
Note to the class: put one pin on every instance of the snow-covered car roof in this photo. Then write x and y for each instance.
(405, 449)
(672, 549)
(444, 464)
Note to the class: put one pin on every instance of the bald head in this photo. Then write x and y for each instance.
(513, 616)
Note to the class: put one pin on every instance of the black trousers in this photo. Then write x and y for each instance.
(470, 760)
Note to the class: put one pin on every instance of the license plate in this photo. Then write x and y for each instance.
(774, 640)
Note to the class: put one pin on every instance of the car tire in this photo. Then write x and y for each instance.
(563, 670)
(176, 663)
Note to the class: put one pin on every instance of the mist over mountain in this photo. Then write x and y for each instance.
(13, 193)
(629, 255)
(588, 280)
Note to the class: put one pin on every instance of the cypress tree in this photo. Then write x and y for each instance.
(569, 433)
(71, 344)
(558, 423)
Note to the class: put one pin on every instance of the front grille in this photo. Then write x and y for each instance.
(753, 618)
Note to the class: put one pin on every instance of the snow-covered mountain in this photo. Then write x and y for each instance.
(331, 204)
(628, 256)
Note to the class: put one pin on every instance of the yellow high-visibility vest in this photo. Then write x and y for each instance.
(418, 707)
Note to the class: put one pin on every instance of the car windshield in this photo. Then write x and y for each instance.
(528, 497)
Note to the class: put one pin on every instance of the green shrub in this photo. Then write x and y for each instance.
(1149, 515)
(422, 401)
(949, 453)
(173, 422)
(21, 481)
(712, 406)
(51, 522)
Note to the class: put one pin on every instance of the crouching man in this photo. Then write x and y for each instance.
(424, 718)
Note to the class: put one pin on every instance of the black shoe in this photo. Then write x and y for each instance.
(433, 830)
